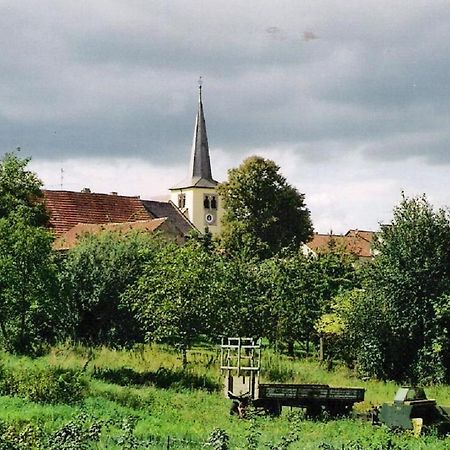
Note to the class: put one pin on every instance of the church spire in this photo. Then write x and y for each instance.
(200, 166)
(200, 174)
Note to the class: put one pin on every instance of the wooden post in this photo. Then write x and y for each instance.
(321, 348)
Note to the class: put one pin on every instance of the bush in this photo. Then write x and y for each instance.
(49, 385)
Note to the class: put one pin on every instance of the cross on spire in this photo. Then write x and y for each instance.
(200, 83)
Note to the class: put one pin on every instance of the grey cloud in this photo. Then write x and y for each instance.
(122, 81)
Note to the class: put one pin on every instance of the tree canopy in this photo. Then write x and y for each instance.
(94, 275)
(28, 307)
(398, 326)
(20, 189)
(263, 212)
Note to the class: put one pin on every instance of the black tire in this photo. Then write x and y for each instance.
(272, 408)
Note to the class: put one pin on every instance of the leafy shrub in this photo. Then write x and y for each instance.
(49, 385)
(218, 439)
(28, 437)
(78, 434)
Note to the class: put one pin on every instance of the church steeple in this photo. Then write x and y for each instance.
(197, 196)
(200, 166)
(200, 174)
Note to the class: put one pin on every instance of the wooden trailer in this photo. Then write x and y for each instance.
(241, 363)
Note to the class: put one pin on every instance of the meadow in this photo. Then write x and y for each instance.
(142, 398)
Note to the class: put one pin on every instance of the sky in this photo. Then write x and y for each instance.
(350, 98)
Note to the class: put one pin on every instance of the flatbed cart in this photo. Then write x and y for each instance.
(241, 363)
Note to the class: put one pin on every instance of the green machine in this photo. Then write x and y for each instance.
(412, 410)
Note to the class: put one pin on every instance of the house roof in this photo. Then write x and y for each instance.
(369, 236)
(69, 239)
(68, 209)
(354, 242)
(169, 210)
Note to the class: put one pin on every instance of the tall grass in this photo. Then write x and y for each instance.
(149, 384)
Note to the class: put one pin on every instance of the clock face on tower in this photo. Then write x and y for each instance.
(210, 218)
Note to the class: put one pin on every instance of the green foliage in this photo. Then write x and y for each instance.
(52, 385)
(28, 306)
(298, 290)
(28, 437)
(174, 299)
(407, 290)
(162, 378)
(127, 440)
(218, 439)
(241, 304)
(185, 418)
(29, 310)
(263, 213)
(94, 276)
(253, 435)
(293, 435)
(276, 371)
(20, 189)
(78, 434)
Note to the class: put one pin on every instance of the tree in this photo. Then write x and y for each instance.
(174, 299)
(408, 286)
(28, 306)
(299, 289)
(20, 187)
(241, 299)
(263, 213)
(29, 310)
(95, 275)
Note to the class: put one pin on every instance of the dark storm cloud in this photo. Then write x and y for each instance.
(326, 78)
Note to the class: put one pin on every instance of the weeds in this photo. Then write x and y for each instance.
(51, 385)
(186, 413)
(218, 439)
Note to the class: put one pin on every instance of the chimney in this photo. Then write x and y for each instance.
(86, 190)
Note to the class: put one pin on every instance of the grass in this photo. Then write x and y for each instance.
(188, 405)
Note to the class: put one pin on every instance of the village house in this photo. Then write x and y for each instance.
(194, 204)
(357, 243)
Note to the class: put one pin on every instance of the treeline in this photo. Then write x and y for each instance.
(387, 319)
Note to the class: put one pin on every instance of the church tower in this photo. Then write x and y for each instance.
(196, 197)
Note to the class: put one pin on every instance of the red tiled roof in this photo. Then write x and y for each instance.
(68, 209)
(355, 242)
(369, 236)
(69, 239)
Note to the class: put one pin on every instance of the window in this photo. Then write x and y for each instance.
(181, 201)
(210, 201)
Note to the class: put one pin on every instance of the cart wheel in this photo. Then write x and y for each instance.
(313, 411)
(234, 408)
(338, 410)
(273, 408)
